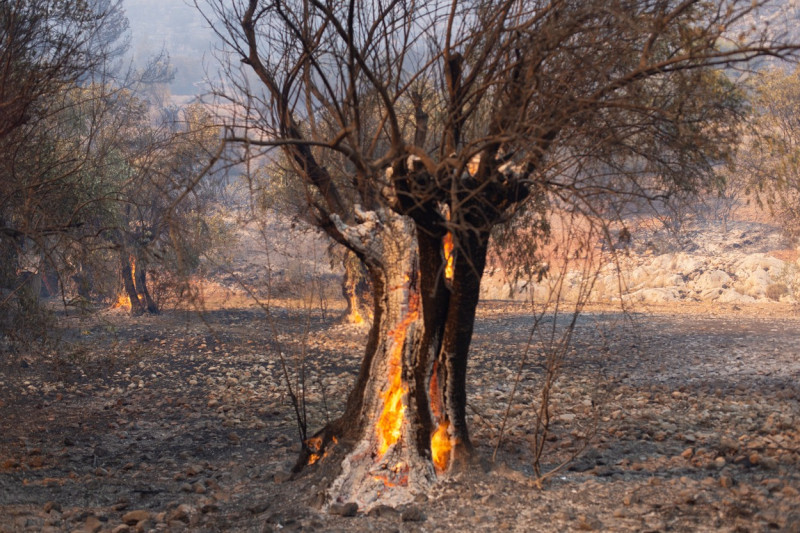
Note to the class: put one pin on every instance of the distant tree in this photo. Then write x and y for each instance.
(411, 124)
(769, 161)
(160, 220)
(54, 57)
(278, 189)
(88, 175)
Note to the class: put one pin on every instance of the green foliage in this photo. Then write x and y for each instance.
(770, 157)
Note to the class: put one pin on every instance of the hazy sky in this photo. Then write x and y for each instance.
(177, 26)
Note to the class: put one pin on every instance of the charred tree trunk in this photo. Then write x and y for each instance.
(405, 419)
(451, 363)
(386, 428)
(355, 290)
(140, 281)
(137, 306)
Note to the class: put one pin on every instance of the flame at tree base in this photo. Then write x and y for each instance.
(390, 423)
(441, 446)
(123, 301)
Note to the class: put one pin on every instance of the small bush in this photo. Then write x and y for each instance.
(776, 290)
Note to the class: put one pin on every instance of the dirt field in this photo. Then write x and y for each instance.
(687, 421)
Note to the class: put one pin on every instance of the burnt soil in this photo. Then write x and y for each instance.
(673, 421)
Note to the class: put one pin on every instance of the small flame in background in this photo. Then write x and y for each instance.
(355, 315)
(440, 440)
(449, 269)
(123, 300)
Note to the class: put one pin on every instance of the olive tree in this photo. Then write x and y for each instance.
(412, 125)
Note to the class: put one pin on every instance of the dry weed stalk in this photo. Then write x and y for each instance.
(574, 260)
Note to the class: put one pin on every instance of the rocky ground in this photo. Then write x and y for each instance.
(685, 420)
(744, 262)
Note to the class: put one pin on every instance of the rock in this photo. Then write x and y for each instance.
(728, 445)
(686, 496)
(589, 523)
(412, 514)
(52, 506)
(92, 525)
(122, 528)
(687, 453)
(344, 509)
(790, 492)
(143, 527)
(134, 517)
(384, 510)
(183, 513)
(176, 526)
(209, 507)
(281, 477)
(258, 508)
(769, 462)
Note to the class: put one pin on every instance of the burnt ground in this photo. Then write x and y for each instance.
(685, 421)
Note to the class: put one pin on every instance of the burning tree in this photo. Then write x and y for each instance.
(415, 128)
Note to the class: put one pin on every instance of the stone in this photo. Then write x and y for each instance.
(686, 496)
(281, 477)
(728, 445)
(258, 508)
(92, 525)
(790, 492)
(183, 513)
(52, 506)
(412, 514)
(134, 517)
(344, 509)
(769, 462)
(385, 510)
(589, 523)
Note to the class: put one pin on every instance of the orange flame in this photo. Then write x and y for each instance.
(314, 444)
(396, 475)
(123, 300)
(441, 443)
(449, 269)
(390, 423)
(441, 446)
(355, 315)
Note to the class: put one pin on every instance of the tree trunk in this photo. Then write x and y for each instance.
(355, 289)
(137, 307)
(140, 281)
(405, 421)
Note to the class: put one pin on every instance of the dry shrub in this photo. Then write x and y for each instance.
(776, 290)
